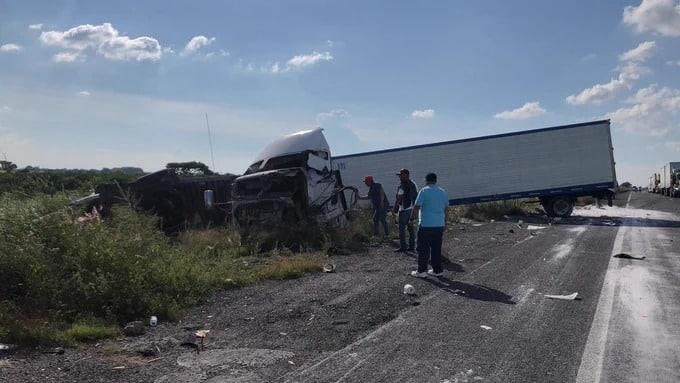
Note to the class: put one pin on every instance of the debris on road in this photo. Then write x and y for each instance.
(409, 289)
(485, 327)
(135, 328)
(535, 227)
(629, 256)
(569, 297)
(328, 268)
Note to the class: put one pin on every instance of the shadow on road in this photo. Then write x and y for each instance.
(452, 266)
(472, 291)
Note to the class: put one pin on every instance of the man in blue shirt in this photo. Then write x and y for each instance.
(430, 208)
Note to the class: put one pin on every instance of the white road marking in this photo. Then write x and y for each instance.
(590, 369)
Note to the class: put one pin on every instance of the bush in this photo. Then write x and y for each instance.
(56, 271)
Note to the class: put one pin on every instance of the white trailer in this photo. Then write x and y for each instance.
(555, 165)
(668, 177)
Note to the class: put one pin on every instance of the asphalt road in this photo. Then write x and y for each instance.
(622, 328)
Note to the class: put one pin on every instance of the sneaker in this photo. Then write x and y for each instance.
(432, 273)
(416, 274)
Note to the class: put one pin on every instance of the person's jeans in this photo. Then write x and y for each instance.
(404, 224)
(430, 248)
(379, 218)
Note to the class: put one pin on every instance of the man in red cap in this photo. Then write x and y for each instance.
(380, 204)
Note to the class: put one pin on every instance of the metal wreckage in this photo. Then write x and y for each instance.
(289, 182)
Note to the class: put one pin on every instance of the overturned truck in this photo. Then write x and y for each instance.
(178, 201)
(291, 181)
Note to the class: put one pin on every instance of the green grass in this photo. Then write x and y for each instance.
(55, 271)
(87, 333)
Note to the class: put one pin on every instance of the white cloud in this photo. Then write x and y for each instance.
(673, 63)
(83, 93)
(11, 48)
(67, 57)
(102, 39)
(528, 110)
(629, 72)
(674, 145)
(5, 108)
(301, 61)
(425, 114)
(598, 93)
(640, 53)
(35, 26)
(652, 112)
(660, 16)
(332, 114)
(196, 43)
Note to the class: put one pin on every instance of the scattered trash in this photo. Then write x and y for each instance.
(291, 363)
(533, 233)
(609, 223)
(569, 297)
(476, 224)
(155, 359)
(492, 221)
(283, 333)
(628, 256)
(328, 268)
(534, 227)
(409, 289)
(135, 328)
(485, 327)
(153, 321)
(202, 333)
(7, 348)
(119, 368)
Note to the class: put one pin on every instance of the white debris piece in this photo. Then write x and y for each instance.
(409, 289)
(569, 297)
(485, 327)
(534, 227)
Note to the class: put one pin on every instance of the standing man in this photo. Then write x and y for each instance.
(380, 204)
(406, 198)
(430, 208)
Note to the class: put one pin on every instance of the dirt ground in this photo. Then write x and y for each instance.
(263, 332)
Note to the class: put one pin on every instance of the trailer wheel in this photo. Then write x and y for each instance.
(559, 206)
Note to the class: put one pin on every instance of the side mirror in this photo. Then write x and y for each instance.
(209, 199)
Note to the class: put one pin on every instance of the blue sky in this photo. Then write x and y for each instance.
(103, 84)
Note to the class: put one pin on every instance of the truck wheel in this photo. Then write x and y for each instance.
(559, 207)
(547, 206)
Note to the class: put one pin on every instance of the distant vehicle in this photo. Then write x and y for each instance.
(555, 165)
(669, 182)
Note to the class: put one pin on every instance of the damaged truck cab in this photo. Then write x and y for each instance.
(291, 180)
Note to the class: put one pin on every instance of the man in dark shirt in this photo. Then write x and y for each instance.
(380, 204)
(407, 191)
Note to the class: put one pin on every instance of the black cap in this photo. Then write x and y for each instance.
(403, 171)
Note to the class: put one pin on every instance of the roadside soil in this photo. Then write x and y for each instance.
(262, 332)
